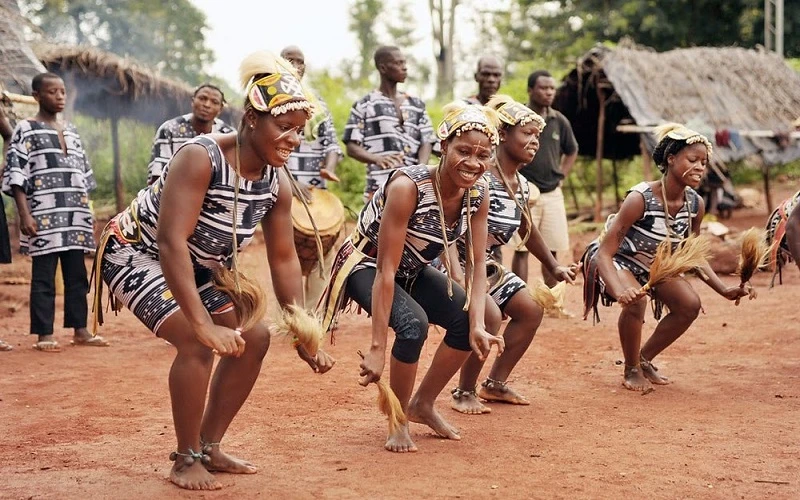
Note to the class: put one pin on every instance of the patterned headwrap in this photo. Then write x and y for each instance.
(469, 117)
(514, 113)
(279, 93)
(681, 133)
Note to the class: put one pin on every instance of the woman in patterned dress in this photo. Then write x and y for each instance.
(783, 235)
(384, 268)
(508, 211)
(160, 254)
(617, 265)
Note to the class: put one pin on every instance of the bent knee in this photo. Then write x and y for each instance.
(689, 308)
(636, 308)
(258, 338)
(410, 336)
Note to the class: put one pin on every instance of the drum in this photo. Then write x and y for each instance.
(328, 213)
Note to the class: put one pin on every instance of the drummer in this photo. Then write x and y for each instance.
(313, 163)
(388, 128)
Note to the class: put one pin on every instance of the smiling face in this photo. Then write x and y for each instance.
(275, 137)
(466, 158)
(521, 143)
(207, 104)
(52, 95)
(689, 164)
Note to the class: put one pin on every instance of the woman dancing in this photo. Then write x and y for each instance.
(508, 201)
(617, 265)
(164, 255)
(384, 268)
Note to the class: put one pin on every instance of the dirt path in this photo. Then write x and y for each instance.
(96, 423)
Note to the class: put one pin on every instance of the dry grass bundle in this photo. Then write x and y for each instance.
(304, 328)
(691, 253)
(249, 299)
(389, 405)
(549, 298)
(755, 252)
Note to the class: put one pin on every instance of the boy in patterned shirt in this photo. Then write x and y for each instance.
(49, 175)
(207, 104)
(388, 129)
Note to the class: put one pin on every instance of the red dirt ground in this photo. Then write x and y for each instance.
(96, 423)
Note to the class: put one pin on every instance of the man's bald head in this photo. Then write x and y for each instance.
(489, 75)
(294, 55)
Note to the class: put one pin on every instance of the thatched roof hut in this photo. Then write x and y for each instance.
(18, 63)
(107, 85)
(709, 89)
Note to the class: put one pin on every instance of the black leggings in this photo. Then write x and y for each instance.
(417, 301)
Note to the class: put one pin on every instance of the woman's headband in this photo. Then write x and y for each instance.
(469, 117)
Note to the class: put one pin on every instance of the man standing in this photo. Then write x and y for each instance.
(312, 163)
(557, 152)
(489, 76)
(388, 129)
(207, 104)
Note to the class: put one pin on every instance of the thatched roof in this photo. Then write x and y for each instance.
(108, 85)
(18, 63)
(709, 89)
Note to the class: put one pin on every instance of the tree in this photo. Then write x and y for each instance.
(443, 24)
(363, 18)
(166, 35)
(401, 33)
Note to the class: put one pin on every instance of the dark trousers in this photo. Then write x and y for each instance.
(417, 302)
(43, 291)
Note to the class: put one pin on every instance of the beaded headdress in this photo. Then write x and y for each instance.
(469, 117)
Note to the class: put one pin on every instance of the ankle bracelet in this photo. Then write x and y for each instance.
(191, 457)
(459, 393)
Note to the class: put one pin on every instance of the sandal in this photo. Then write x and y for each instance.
(96, 341)
(47, 346)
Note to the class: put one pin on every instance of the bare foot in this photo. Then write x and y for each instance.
(494, 390)
(400, 441)
(650, 371)
(222, 462)
(427, 415)
(635, 381)
(192, 477)
(467, 402)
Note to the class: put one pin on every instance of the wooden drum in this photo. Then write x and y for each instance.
(328, 213)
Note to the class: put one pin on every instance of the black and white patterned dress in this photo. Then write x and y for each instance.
(309, 157)
(638, 247)
(504, 220)
(171, 135)
(375, 124)
(423, 241)
(131, 266)
(56, 184)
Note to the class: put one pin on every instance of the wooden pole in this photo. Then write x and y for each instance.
(601, 125)
(119, 189)
(647, 161)
(767, 193)
(616, 182)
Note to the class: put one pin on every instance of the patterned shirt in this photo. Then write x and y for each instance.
(638, 248)
(308, 159)
(424, 240)
(211, 243)
(169, 137)
(374, 124)
(505, 216)
(56, 184)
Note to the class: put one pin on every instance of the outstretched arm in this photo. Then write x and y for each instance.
(401, 200)
(540, 250)
(632, 210)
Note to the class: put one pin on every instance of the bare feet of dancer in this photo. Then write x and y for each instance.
(495, 390)
(635, 381)
(650, 371)
(219, 461)
(400, 441)
(427, 415)
(192, 476)
(467, 402)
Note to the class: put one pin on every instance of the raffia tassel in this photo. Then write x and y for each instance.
(249, 299)
(548, 298)
(690, 254)
(302, 327)
(389, 405)
(755, 253)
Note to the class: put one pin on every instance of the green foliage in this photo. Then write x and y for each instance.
(163, 35)
(363, 17)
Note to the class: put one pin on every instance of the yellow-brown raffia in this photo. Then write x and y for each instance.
(755, 254)
(690, 254)
(548, 298)
(302, 327)
(249, 299)
(389, 405)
